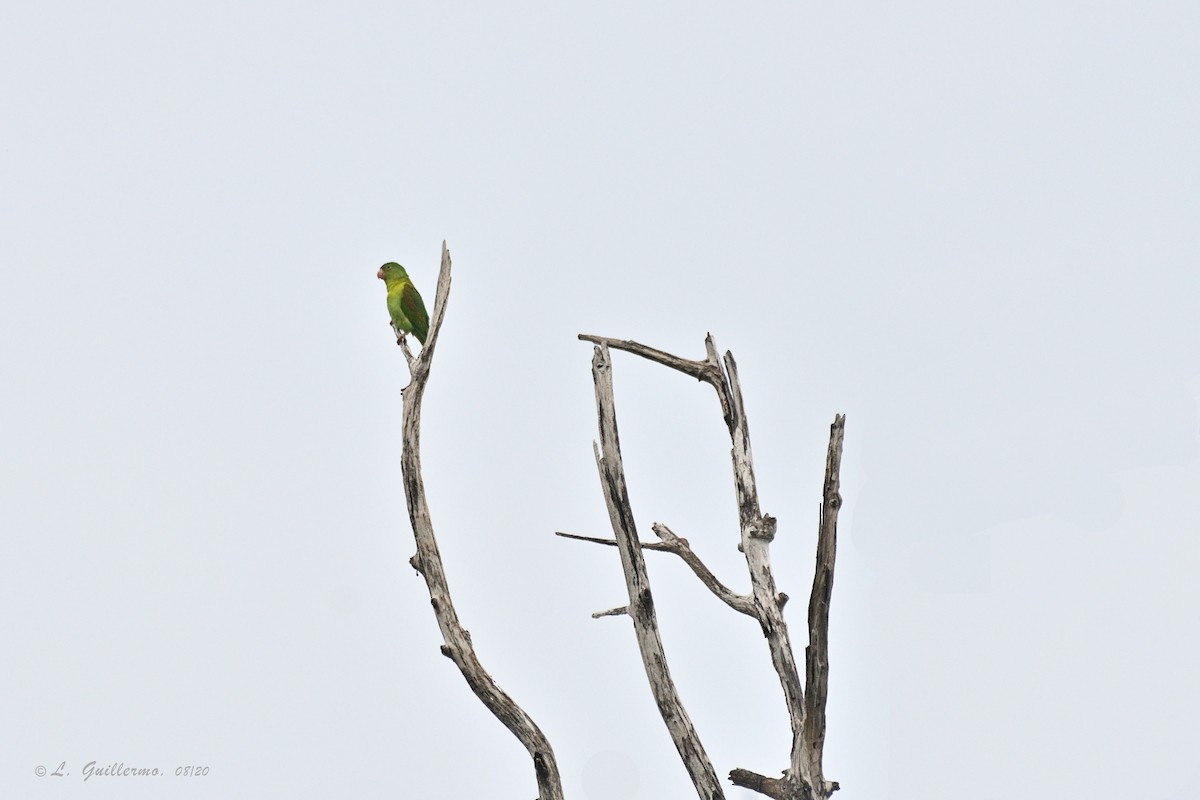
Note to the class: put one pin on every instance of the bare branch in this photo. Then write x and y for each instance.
(402, 340)
(708, 370)
(743, 460)
(612, 612)
(817, 653)
(680, 547)
(803, 778)
(641, 601)
(700, 370)
(423, 361)
(610, 542)
(428, 562)
(757, 531)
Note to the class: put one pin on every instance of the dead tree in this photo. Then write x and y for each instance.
(428, 561)
(804, 778)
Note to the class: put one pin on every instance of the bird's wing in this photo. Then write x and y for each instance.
(414, 308)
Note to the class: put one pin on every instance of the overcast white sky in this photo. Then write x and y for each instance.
(971, 229)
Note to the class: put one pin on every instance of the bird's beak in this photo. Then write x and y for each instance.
(379, 274)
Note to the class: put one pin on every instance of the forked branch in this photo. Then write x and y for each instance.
(679, 546)
(428, 562)
(804, 778)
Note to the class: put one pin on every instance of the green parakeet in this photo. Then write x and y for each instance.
(404, 301)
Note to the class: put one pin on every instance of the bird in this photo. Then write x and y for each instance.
(404, 302)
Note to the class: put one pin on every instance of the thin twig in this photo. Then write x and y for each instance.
(679, 546)
(428, 562)
(402, 340)
(612, 542)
